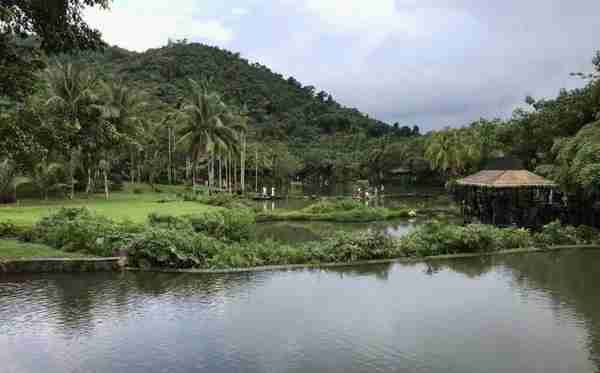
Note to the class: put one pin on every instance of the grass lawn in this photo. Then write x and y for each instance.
(121, 206)
(12, 249)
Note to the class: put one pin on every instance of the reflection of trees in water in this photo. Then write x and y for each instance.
(470, 267)
(78, 302)
(72, 300)
(569, 277)
(379, 271)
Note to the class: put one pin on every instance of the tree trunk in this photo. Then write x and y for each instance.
(132, 170)
(256, 170)
(243, 164)
(169, 175)
(88, 188)
(220, 173)
(105, 184)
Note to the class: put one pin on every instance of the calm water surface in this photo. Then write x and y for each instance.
(522, 313)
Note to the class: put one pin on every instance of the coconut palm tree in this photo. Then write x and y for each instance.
(10, 180)
(44, 177)
(205, 129)
(71, 93)
(451, 151)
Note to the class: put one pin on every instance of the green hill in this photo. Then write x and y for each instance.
(278, 107)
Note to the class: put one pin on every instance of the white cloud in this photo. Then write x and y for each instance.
(140, 25)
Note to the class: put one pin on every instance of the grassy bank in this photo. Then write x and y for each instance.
(224, 238)
(133, 204)
(13, 249)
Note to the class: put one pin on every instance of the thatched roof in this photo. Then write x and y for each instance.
(506, 179)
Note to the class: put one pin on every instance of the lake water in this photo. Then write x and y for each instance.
(299, 232)
(520, 313)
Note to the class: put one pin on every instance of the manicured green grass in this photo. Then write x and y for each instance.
(13, 249)
(122, 206)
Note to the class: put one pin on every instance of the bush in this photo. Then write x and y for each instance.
(138, 190)
(326, 206)
(229, 225)
(557, 234)
(77, 229)
(235, 225)
(8, 229)
(345, 210)
(435, 238)
(172, 248)
(354, 247)
(164, 220)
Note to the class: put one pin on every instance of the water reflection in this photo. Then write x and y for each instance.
(521, 313)
(299, 232)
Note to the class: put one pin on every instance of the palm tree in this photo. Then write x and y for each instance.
(10, 180)
(122, 106)
(205, 130)
(44, 177)
(71, 92)
(451, 151)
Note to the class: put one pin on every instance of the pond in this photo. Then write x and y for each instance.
(521, 313)
(299, 232)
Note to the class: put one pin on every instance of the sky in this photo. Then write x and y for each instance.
(432, 63)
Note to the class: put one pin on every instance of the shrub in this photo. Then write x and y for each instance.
(557, 234)
(326, 206)
(138, 190)
(435, 238)
(172, 248)
(234, 225)
(354, 247)
(164, 220)
(77, 229)
(8, 229)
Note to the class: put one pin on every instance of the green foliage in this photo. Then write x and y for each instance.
(328, 206)
(78, 229)
(169, 248)
(343, 210)
(225, 224)
(557, 234)
(578, 160)
(435, 238)
(342, 248)
(186, 249)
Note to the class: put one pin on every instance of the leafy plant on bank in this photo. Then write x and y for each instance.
(78, 229)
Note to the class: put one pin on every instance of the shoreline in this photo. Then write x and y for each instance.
(284, 267)
(82, 265)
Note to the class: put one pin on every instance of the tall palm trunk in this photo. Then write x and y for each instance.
(105, 183)
(256, 170)
(170, 173)
(243, 164)
(220, 173)
(88, 188)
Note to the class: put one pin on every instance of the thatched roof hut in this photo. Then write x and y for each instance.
(506, 179)
(504, 193)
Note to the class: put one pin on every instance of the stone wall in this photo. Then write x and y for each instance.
(62, 265)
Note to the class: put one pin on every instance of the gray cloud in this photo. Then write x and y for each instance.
(427, 62)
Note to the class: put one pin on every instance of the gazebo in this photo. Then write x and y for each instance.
(504, 194)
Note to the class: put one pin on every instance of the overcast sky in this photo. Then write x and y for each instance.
(432, 63)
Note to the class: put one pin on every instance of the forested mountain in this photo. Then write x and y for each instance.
(277, 106)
